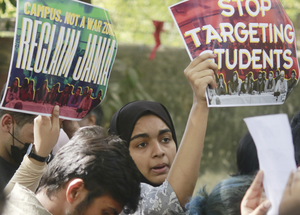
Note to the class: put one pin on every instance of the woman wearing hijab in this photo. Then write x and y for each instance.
(174, 193)
(130, 124)
(168, 177)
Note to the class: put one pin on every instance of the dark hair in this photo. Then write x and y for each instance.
(224, 199)
(295, 126)
(25, 83)
(271, 72)
(98, 113)
(12, 86)
(233, 85)
(293, 71)
(221, 76)
(101, 161)
(246, 156)
(20, 118)
(31, 82)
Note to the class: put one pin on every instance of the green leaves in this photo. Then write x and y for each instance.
(13, 2)
(3, 6)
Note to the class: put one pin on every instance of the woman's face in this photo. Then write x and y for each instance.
(221, 79)
(77, 92)
(246, 79)
(30, 85)
(270, 76)
(234, 77)
(152, 148)
(15, 83)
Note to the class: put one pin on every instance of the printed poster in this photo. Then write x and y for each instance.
(62, 55)
(255, 46)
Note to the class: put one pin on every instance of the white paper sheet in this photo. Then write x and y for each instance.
(273, 139)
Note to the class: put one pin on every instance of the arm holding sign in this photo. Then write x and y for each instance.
(46, 132)
(184, 170)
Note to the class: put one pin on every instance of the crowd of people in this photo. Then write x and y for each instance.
(271, 84)
(136, 167)
(83, 101)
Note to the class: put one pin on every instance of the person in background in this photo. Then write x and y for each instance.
(13, 92)
(281, 85)
(96, 101)
(24, 87)
(221, 89)
(295, 126)
(86, 102)
(270, 83)
(53, 94)
(75, 99)
(246, 156)
(259, 84)
(85, 92)
(234, 84)
(292, 81)
(224, 199)
(16, 135)
(63, 98)
(42, 92)
(277, 76)
(28, 93)
(245, 87)
(92, 174)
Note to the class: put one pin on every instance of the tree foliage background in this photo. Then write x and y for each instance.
(135, 77)
(132, 19)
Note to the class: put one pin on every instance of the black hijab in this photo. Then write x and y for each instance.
(124, 120)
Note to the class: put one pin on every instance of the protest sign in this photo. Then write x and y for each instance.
(255, 46)
(62, 55)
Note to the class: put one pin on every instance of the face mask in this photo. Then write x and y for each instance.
(17, 153)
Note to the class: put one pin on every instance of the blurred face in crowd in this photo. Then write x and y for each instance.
(152, 148)
(15, 83)
(45, 85)
(293, 75)
(99, 95)
(282, 76)
(89, 94)
(30, 85)
(66, 89)
(234, 77)
(270, 76)
(260, 76)
(221, 80)
(77, 92)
